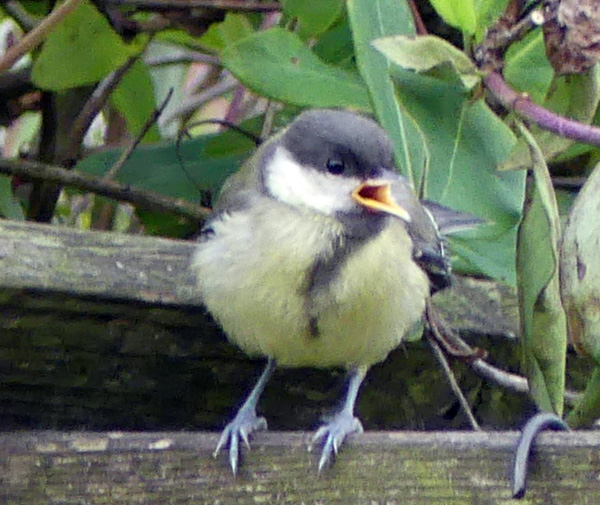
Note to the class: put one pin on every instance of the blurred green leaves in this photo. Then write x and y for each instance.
(371, 20)
(184, 171)
(466, 141)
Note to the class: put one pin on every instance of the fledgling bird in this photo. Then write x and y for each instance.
(318, 254)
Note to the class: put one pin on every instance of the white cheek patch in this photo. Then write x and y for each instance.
(295, 185)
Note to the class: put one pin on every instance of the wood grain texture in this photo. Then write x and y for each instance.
(448, 468)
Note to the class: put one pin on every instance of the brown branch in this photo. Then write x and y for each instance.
(94, 105)
(231, 5)
(522, 105)
(16, 11)
(417, 18)
(110, 189)
(36, 36)
(506, 31)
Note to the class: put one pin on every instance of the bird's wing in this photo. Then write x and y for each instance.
(451, 221)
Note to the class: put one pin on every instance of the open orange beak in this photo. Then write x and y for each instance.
(376, 195)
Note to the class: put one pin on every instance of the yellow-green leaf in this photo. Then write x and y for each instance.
(81, 50)
(426, 53)
(460, 14)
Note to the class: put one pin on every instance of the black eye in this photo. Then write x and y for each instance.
(335, 166)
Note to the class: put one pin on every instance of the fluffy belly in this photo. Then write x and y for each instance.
(360, 316)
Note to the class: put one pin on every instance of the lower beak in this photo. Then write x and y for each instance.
(376, 195)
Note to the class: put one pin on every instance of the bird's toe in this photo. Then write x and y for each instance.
(333, 435)
(243, 425)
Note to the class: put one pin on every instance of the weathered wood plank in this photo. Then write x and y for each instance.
(449, 468)
(105, 265)
(152, 270)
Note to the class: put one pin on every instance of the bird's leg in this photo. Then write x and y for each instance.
(245, 421)
(343, 423)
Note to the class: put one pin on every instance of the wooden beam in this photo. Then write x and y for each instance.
(449, 468)
(136, 268)
(105, 265)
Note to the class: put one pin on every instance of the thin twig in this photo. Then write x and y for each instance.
(230, 5)
(267, 128)
(509, 381)
(16, 11)
(36, 36)
(235, 110)
(183, 57)
(443, 362)
(418, 20)
(126, 154)
(94, 105)
(449, 340)
(110, 189)
(230, 126)
(569, 183)
(522, 104)
(194, 102)
(185, 132)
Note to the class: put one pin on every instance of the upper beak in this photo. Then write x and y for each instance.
(376, 194)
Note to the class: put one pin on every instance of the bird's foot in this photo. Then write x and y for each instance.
(333, 435)
(243, 425)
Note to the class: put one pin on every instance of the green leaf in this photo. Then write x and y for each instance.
(335, 46)
(580, 268)
(81, 50)
(37, 7)
(427, 53)
(233, 28)
(460, 15)
(134, 99)
(275, 63)
(580, 290)
(9, 206)
(208, 161)
(466, 141)
(166, 225)
(543, 321)
(527, 68)
(371, 20)
(314, 16)
(587, 410)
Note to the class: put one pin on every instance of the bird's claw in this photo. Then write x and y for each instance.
(243, 425)
(333, 435)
